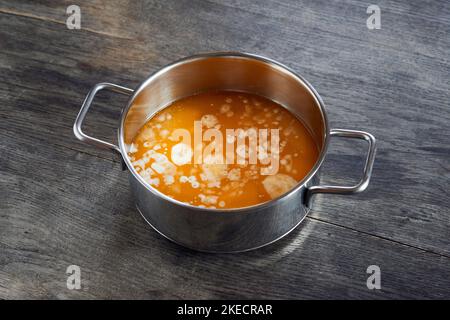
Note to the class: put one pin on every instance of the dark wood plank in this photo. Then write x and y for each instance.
(74, 207)
(78, 210)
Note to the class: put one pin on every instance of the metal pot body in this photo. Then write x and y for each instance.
(210, 231)
(225, 230)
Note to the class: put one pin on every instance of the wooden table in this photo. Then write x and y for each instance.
(65, 203)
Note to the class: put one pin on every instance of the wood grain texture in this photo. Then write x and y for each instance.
(63, 202)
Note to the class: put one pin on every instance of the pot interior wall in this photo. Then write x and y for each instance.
(240, 73)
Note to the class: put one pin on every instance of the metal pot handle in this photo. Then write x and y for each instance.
(84, 109)
(364, 182)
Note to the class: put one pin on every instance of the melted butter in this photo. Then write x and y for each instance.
(169, 165)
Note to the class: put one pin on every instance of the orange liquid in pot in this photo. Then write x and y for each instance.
(194, 172)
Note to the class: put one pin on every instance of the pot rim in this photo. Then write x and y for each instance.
(231, 54)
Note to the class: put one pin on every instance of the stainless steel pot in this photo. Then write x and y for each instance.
(225, 230)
